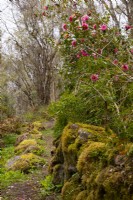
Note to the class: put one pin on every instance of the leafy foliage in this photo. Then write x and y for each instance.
(47, 185)
(98, 72)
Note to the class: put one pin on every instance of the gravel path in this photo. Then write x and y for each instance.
(30, 189)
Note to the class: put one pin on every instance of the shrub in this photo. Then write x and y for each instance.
(97, 72)
(68, 108)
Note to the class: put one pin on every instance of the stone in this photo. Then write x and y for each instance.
(74, 126)
(120, 160)
(84, 135)
(21, 138)
(24, 162)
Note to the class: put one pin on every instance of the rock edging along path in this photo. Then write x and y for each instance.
(92, 163)
(30, 188)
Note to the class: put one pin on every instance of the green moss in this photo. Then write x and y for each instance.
(112, 184)
(82, 195)
(58, 156)
(37, 124)
(94, 150)
(36, 136)
(129, 149)
(102, 160)
(26, 161)
(68, 137)
(25, 144)
(58, 174)
(70, 190)
(96, 131)
(35, 131)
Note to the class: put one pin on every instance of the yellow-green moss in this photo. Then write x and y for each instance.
(94, 150)
(37, 124)
(68, 137)
(129, 149)
(26, 161)
(36, 136)
(96, 131)
(35, 131)
(25, 144)
(92, 127)
(82, 195)
(112, 184)
(58, 174)
(102, 160)
(70, 190)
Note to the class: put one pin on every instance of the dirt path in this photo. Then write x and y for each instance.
(30, 189)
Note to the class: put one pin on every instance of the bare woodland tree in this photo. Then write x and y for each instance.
(33, 58)
(119, 9)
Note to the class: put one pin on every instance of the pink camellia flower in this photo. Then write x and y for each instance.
(74, 43)
(125, 67)
(103, 27)
(84, 53)
(84, 18)
(85, 26)
(71, 18)
(64, 27)
(95, 26)
(115, 61)
(94, 77)
(127, 27)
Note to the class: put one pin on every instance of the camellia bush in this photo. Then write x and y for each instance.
(98, 68)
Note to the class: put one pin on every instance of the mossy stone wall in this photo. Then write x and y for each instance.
(92, 164)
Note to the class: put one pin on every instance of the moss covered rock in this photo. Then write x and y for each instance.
(102, 162)
(25, 144)
(24, 162)
(22, 137)
(71, 188)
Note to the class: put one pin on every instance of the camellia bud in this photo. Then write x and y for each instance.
(94, 77)
(44, 14)
(64, 27)
(95, 26)
(127, 27)
(78, 56)
(84, 53)
(115, 50)
(70, 18)
(94, 55)
(45, 7)
(74, 43)
(115, 62)
(131, 51)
